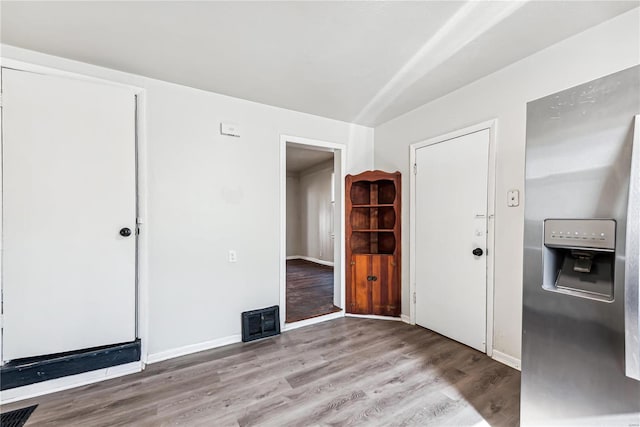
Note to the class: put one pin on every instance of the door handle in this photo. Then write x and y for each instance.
(372, 278)
(631, 276)
(477, 252)
(125, 232)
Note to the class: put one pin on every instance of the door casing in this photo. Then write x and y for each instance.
(491, 198)
(340, 159)
(142, 289)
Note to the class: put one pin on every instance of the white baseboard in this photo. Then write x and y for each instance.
(312, 321)
(406, 319)
(506, 359)
(193, 348)
(65, 383)
(311, 259)
(373, 316)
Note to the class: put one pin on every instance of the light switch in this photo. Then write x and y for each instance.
(229, 129)
(513, 198)
(233, 256)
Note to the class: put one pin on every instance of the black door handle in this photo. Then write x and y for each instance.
(125, 232)
(372, 278)
(477, 252)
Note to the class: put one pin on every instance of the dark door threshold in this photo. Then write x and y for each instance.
(21, 372)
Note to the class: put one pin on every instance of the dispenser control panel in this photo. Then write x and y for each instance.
(580, 233)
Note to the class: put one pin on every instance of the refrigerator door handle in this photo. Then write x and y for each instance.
(632, 264)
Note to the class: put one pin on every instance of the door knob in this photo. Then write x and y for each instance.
(477, 252)
(125, 232)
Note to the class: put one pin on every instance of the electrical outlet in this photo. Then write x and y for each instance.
(233, 256)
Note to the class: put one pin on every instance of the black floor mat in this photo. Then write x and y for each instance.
(16, 418)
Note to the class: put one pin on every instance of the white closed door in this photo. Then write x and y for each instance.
(451, 223)
(68, 190)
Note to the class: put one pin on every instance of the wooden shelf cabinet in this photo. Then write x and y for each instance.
(373, 243)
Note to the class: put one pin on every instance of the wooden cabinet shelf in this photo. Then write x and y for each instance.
(373, 243)
(376, 230)
(373, 206)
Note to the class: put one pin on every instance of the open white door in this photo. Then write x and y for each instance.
(451, 237)
(69, 193)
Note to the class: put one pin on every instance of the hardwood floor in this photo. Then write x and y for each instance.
(309, 290)
(341, 373)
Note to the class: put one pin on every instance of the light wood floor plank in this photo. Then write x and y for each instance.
(345, 372)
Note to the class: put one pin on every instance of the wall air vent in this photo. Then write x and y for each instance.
(261, 323)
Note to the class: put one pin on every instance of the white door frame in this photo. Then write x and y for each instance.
(338, 248)
(491, 197)
(142, 285)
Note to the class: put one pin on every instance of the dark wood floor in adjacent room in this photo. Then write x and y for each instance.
(343, 372)
(309, 290)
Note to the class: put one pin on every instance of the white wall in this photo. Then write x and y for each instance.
(316, 212)
(601, 50)
(208, 193)
(310, 214)
(293, 214)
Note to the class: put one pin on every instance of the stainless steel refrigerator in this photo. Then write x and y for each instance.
(581, 347)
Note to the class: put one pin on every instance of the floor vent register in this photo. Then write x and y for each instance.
(16, 418)
(261, 323)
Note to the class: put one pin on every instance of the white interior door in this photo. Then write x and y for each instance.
(451, 222)
(68, 190)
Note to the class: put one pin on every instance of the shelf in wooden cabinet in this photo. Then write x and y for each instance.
(386, 205)
(374, 230)
(374, 253)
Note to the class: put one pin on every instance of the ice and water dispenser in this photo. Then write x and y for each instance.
(579, 257)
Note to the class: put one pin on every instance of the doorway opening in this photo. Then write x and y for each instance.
(312, 278)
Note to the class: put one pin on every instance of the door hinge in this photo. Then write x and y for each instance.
(415, 168)
(353, 263)
(414, 297)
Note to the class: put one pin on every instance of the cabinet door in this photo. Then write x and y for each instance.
(384, 286)
(360, 285)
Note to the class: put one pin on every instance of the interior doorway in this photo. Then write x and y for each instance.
(310, 233)
(312, 278)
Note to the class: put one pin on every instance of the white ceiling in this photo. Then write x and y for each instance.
(363, 62)
(299, 159)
